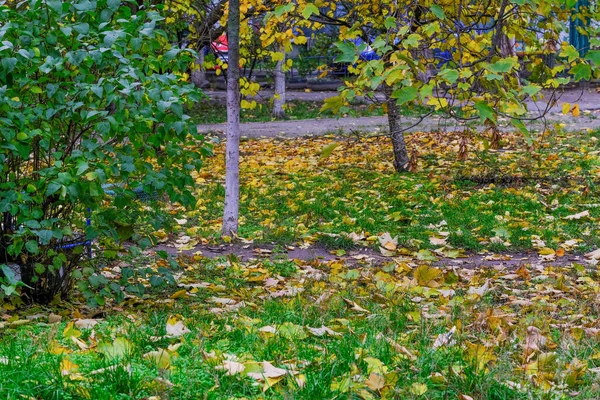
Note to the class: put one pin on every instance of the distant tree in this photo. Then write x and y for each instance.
(455, 57)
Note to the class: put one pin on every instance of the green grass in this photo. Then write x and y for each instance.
(393, 338)
(214, 112)
(291, 195)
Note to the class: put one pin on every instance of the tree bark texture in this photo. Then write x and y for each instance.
(199, 74)
(401, 158)
(232, 148)
(279, 99)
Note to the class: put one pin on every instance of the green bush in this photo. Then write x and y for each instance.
(91, 92)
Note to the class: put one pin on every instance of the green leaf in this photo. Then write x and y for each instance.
(32, 246)
(531, 90)
(521, 127)
(9, 64)
(85, 6)
(45, 236)
(581, 71)
(503, 66)
(593, 56)
(485, 111)
(55, 5)
(309, 10)
(438, 11)
(450, 75)
(570, 53)
(405, 94)
(349, 52)
(390, 22)
(327, 150)
(82, 28)
(283, 9)
(9, 274)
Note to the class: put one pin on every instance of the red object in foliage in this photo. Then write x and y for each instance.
(220, 45)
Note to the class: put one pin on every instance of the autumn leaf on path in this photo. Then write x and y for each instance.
(388, 244)
(594, 255)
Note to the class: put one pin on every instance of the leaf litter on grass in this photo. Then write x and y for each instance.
(382, 331)
(501, 200)
(418, 324)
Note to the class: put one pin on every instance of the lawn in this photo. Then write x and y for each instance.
(420, 324)
(214, 112)
(513, 199)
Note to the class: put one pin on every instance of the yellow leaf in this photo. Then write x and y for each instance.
(276, 56)
(70, 331)
(327, 150)
(546, 251)
(426, 275)
(566, 108)
(179, 294)
(160, 358)
(575, 110)
(418, 389)
(300, 40)
(67, 367)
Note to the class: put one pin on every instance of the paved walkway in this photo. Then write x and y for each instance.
(588, 100)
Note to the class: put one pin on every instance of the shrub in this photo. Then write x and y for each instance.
(90, 94)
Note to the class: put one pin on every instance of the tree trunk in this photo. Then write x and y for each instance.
(232, 150)
(199, 75)
(401, 159)
(279, 98)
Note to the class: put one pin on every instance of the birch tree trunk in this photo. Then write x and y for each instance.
(232, 149)
(401, 159)
(199, 75)
(279, 99)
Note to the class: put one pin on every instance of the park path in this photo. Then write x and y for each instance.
(588, 100)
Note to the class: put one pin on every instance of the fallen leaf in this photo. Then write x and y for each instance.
(269, 371)
(481, 290)
(580, 215)
(232, 367)
(418, 389)
(445, 339)
(322, 331)
(86, 323)
(160, 358)
(426, 275)
(119, 348)
(67, 367)
(534, 341)
(355, 307)
(176, 328)
(594, 255)
(375, 382)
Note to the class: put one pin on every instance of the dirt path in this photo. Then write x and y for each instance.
(367, 255)
(588, 100)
